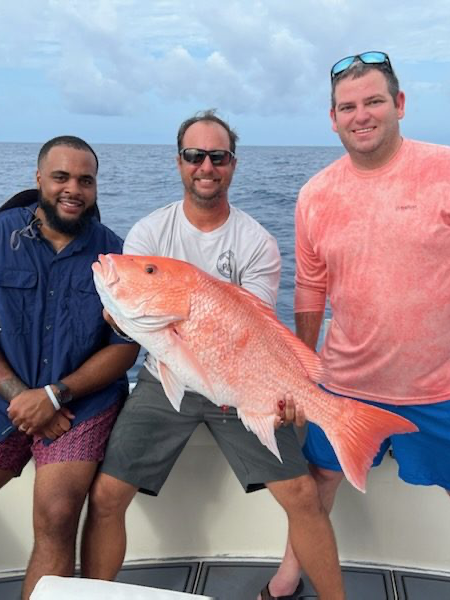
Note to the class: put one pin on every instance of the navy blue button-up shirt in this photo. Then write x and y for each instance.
(50, 313)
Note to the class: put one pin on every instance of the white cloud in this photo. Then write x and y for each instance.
(248, 56)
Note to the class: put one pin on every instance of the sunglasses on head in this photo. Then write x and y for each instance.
(368, 58)
(195, 156)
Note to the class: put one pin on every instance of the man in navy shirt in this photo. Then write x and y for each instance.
(62, 369)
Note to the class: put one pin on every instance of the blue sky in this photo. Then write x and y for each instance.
(129, 71)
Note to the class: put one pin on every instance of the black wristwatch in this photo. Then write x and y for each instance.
(64, 394)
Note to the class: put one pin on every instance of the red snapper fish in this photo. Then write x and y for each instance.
(226, 344)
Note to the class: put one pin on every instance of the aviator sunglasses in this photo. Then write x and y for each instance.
(368, 58)
(195, 156)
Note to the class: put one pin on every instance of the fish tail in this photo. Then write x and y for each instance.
(357, 437)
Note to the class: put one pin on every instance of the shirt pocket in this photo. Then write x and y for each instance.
(86, 310)
(17, 300)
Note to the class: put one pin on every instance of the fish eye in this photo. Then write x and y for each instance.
(150, 268)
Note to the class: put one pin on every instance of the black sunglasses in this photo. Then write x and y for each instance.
(195, 156)
(368, 58)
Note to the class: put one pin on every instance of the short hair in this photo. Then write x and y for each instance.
(209, 116)
(65, 140)
(359, 69)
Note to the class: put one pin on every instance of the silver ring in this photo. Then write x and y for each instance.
(22, 428)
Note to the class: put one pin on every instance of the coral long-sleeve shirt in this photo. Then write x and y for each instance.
(378, 243)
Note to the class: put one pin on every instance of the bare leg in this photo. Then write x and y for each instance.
(104, 536)
(59, 493)
(311, 535)
(286, 579)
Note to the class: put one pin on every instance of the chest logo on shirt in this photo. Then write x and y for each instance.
(225, 264)
(406, 207)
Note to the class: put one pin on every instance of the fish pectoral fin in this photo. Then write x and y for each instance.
(184, 356)
(263, 426)
(172, 386)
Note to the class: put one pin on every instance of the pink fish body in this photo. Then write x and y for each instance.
(225, 343)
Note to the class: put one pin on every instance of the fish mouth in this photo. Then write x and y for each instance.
(106, 269)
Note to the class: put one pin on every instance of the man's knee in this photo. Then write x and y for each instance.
(299, 494)
(326, 477)
(57, 518)
(109, 496)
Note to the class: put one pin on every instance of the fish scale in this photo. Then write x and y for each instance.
(238, 357)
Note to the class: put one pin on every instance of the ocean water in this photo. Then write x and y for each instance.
(133, 180)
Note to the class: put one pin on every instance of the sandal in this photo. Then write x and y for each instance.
(266, 595)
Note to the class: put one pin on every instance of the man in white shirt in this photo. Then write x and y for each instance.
(206, 230)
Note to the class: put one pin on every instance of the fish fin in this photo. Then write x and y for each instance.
(357, 437)
(183, 355)
(172, 386)
(310, 361)
(263, 428)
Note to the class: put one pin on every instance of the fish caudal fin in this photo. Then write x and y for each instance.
(357, 437)
(264, 428)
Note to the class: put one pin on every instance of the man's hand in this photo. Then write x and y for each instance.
(287, 412)
(31, 410)
(58, 424)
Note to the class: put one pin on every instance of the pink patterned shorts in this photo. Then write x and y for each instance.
(84, 442)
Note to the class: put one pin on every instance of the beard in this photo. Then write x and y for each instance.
(206, 201)
(73, 227)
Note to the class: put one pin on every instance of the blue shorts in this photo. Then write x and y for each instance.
(423, 457)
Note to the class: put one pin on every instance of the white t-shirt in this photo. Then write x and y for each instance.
(240, 251)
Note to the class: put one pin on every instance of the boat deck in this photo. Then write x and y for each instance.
(241, 580)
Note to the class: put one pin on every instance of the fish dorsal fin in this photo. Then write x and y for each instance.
(173, 387)
(309, 360)
(263, 427)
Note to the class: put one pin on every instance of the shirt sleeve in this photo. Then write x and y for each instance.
(113, 339)
(139, 241)
(262, 274)
(310, 271)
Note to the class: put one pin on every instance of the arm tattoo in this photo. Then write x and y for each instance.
(9, 388)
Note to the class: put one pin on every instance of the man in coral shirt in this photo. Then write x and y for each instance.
(372, 234)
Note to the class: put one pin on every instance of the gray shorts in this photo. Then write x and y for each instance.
(150, 434)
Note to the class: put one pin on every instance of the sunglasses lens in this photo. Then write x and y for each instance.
(373, 57)
(219, 157)
(194, 155)
(342, 65)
